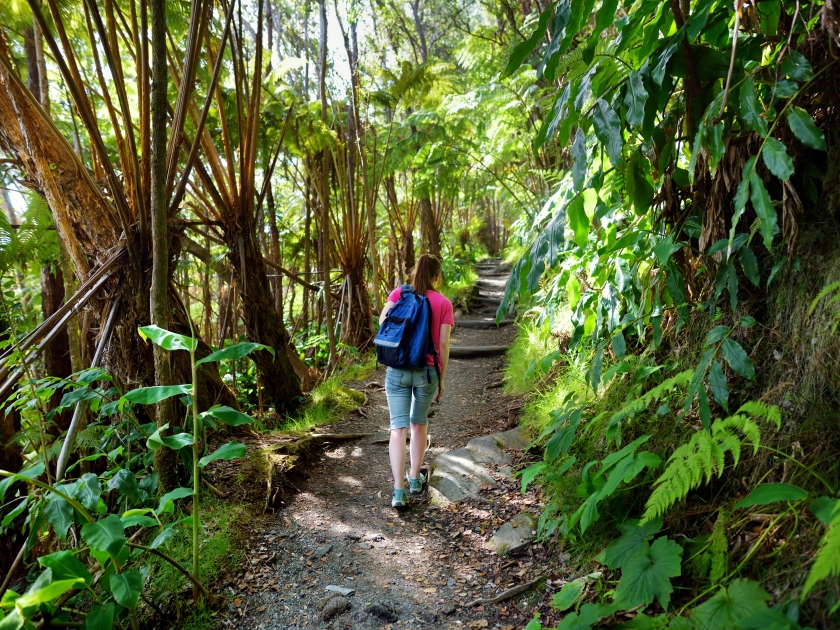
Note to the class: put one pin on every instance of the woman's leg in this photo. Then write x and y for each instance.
(398, 390)
(396, 450)
(417, 448)
(425, 388)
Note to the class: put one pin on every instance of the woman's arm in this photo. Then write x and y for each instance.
(388, 306)
(445, 329)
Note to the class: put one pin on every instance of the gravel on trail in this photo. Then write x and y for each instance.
(415, 567)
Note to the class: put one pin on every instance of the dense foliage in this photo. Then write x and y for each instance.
(691, 140)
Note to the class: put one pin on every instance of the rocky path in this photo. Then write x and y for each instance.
(338, 556)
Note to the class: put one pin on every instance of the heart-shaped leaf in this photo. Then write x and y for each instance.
(228, 451)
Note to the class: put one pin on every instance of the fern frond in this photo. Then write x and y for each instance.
(702, 456)
(834, 286)
(89, 437)
(654, 395)
(827, 562)
(760, 411)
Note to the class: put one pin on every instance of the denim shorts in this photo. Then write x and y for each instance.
(410, 394)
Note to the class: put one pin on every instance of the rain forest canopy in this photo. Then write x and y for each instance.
(206, 205)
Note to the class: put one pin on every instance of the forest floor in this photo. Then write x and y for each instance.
(413, 567)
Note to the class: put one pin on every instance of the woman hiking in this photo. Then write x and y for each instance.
(410, 391)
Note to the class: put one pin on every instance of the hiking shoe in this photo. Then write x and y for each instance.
(398, 498)
(415, 486)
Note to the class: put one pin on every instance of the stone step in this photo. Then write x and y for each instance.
(476, 352)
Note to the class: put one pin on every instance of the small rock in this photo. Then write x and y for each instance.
(451, 582)
(382, 612)
(335, 606)
(341, 590)
(513, 536)
(447, 609)
(322, 551)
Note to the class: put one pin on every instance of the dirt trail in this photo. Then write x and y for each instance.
(414, 567)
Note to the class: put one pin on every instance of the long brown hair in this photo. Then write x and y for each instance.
(428, 267)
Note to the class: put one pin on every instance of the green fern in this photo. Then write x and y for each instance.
(827, 562)
(643, 402)
(705, 455)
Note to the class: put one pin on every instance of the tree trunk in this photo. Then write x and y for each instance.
(429, 233)
(282, 386)
(56, 355)
(358, 329)
(166, 460)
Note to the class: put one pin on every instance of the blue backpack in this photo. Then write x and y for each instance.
(405, 337)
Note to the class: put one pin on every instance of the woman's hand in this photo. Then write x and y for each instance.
(440, 391)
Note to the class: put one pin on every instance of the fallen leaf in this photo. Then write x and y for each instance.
(261, 609)
(237, 602)
(478, 623)
(431, 589)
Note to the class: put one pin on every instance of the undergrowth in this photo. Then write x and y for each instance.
(330, 400)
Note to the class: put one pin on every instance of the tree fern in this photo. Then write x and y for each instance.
(705, 455)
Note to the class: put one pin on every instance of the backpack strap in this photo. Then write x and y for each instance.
(406, 288)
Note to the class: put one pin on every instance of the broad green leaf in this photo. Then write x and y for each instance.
(797, 67)
(66, 566)
(100, 617)
(126, 587)
(741, 600)
(749, 263)
(642, 622)
(33, 472)
(167, 500)
(580, 160)
(562, 15)
(12, 621)
(573, 291)
(167, 340)
(163, 537)
(750, 109)
(48, 593)
(175, 442)
(619, 345)
(228, 451)
(665, 248)
(105, 535)
(635, 99)
(763, 208)
(228, 415)
(530, 473)
(138, 519)
(742, 194)
(718, 385)
(524, 49)
(648, 575)
(658, 73)
(59, 514)
(717, 147)
(824, 508)
(608, 130)
(638, 187)
(803, 127)
(768, 493)
(698, 19)
(88, 491)
(126, 483)
(776, 158)
(633, 541)
(578, 221)
(716, 334)
(234, 352)
(156, 393)
(567, 596)
(589, 614)
(738, 359)
(768, 619)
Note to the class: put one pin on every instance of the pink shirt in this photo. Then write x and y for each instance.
(441, 314)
